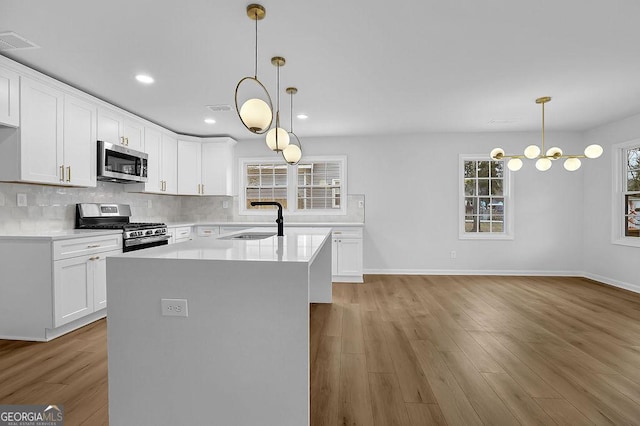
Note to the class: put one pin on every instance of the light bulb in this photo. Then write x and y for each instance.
(514, 164)
(497, 153)
(256, 115)
(554, 152)
(572, 164)
(292, 154)
(283, 139)
(593, 151)
(531, 152)
(543, 164)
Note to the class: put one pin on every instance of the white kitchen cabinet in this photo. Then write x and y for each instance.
(118, 129)
(56, 141)
(179, 234)
(206, 231)
(189, 168)
(52, 286)
(347, 247)
(9, 98)
(162, 166)
(205, 167)
(217, 166)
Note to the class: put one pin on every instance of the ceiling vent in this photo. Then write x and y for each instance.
(219, 108)
(12, 41)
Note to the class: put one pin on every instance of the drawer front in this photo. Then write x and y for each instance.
(346, 233)
(208, 231)
(65, 249)
(183, 233)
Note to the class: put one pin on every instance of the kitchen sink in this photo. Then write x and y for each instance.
(249, 236)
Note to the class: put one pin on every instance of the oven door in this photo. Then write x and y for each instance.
(119, 164)
(145, 242)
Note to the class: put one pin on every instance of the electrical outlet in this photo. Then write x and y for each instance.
(361, 204)
(174, 307)
(21, 200)
(225, 204)
(453, 254)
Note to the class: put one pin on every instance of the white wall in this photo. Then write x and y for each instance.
(410, 183)
(604, 261)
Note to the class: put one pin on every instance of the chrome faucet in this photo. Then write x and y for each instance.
(279, 220)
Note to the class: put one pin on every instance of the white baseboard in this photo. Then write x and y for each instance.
(609, 281)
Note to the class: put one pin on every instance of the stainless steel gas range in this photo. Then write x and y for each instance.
(135, 236)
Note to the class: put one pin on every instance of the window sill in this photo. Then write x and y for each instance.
(486, 237)
(627, 241)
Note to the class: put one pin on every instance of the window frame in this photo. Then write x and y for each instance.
(292, 186)
(619, 191)
(507, 183)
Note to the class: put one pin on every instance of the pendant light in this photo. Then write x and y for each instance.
(544, 159)
(292, 153)
(256, 114)
(277, 138)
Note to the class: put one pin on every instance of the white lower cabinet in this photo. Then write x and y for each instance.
(207, 231)
(50, 287)
(80, 286)
(346, 252)
(179, 234)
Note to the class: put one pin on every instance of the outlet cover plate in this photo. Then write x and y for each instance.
(174, 307)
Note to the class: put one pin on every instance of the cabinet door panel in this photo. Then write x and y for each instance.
(170, 164)
(109, 127)
(134, 134)
(80, 141)
(9, 98)
(41, 132)
(217, 168)
(350, 257)
(153, 148)
(99, 267)
(73, 289)
(334, 256)
(189, 167)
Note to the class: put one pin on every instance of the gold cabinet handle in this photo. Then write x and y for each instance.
(198, 188)
(62, 173)
(164, 185)
(93, 246)
(202, 189)
(94, 258)
(69, 174)
(121, 140)
(126, 141)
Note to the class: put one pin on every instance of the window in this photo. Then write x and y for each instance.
(626, 167)
(314, 186)
(484, 199)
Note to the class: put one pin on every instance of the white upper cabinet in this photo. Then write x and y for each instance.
(217, 166)
(205, 167)
(189, 168)
(162, 166)
(117, 129)
(9, 98)
(56, 141)
(79, 136)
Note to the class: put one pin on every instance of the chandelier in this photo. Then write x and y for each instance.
(544, 159)
(292, 152)
(256, 114)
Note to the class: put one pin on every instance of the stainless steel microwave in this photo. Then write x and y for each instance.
(120, 164)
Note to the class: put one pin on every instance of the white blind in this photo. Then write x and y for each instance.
(266, 182)
(319, 185)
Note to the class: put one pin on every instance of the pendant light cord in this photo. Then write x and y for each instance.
(543, 151)
(256, 50)
(291, 115)
(278, 104)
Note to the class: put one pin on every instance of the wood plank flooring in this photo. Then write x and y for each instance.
(414, 350)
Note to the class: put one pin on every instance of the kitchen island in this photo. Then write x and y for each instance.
(240, 356)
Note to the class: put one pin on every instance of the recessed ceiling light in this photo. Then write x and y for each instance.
(146, 79)
(302, 116)
(210, 121)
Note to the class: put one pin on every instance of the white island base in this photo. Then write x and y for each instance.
(241, 356)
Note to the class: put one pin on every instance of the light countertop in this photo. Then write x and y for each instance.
(269, 224)
(60, 235)
(298, 245)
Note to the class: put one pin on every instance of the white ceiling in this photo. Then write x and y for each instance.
(374, 67)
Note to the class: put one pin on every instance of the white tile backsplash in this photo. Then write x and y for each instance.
(51, 208)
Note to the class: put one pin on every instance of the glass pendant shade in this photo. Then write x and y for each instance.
(554, 152)
(593, 151)
(292, 154)
(282, 141)
(531, 152)
(543, 164)
(514, 164)
(497, 153)
(256, 115)
(572, 164)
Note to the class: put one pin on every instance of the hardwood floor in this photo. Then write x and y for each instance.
(415, 350)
